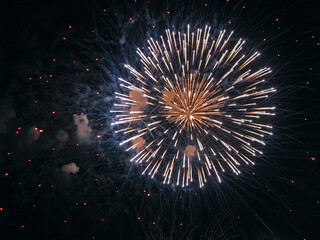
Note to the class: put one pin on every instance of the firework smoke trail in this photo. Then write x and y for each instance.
(194, 107)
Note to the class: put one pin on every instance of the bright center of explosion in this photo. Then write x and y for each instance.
(188, 109)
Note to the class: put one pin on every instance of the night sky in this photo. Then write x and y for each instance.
(63, 174)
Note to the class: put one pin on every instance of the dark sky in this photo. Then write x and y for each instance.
(61, 58)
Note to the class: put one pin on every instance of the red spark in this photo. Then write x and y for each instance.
(6, 174)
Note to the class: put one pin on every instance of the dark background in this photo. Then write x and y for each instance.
(107, 198)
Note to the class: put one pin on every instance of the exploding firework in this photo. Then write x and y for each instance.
(193, 107)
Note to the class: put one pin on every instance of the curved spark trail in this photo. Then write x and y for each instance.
(193, 108)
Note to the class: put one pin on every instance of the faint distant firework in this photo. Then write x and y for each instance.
(192, 107)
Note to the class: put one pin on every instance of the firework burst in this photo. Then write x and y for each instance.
(193, 107)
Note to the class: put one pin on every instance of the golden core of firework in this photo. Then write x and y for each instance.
(190, 107)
